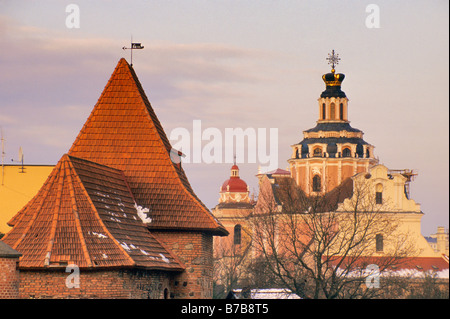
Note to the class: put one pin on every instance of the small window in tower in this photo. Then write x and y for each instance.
(379, 194)
(346, 152)
(341, 111)
(323, 111)
(367, 153)
(359, 151)
(379, 242)
(332, 149)
(317, 184)
(317, 152)
(237, 234)
(332, 111)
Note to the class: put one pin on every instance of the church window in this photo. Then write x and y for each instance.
(317, 152)
(237, 234)
(317, 184)
(346, 152)
(379, 242)
(359, 150)
(341, 111)
(379, 194)
(332, 111)
(332, 149)
(323, 111)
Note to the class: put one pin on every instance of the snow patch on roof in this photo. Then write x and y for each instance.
(164, 258)
(102, 195)
(269, 293)
(412, 273)
(125, 246)
(402, 273)
(143, 213)
(99, 235)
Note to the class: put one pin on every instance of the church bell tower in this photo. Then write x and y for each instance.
(332, 151)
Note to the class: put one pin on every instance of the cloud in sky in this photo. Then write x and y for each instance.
(236, 66)
(56, 72)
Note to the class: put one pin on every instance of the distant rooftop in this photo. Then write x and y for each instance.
(8, 252)
(270, 293)
(277, 171)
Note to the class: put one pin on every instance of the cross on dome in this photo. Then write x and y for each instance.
(333, 59)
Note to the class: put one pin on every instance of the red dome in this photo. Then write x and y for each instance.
(236, 185)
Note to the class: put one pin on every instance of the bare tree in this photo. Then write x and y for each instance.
(231, 265)
(314, 246)
(430, 287)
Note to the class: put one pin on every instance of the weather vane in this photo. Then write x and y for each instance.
(333, 59)
(134, 46)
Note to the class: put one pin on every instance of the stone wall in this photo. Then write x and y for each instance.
(9, 278)
(195, 251)
(105, 284)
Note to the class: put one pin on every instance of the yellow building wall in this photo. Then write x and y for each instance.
(411, 224)
(332, 177)
(229, 219)
(406, 212)
(17, 189)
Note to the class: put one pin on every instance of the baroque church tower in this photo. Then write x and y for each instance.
(332, 151)
(331, 156)
(235, 205)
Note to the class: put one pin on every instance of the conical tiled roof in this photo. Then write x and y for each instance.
(123, 132)
(86, 215)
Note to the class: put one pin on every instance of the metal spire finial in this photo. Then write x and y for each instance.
(333, 59)
(134, 46)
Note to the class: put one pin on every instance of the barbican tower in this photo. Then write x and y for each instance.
(333, 150)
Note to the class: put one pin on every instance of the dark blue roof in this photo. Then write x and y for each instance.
(333, 91)
(342, 126)
(331, 145)
(333, 140)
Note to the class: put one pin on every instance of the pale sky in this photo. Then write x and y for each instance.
(249, 64)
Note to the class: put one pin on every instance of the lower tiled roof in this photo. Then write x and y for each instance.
(86, 215)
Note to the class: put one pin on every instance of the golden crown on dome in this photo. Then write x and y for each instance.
(333, 79)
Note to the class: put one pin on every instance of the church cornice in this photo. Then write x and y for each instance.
(335, 134)
(334, 161)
